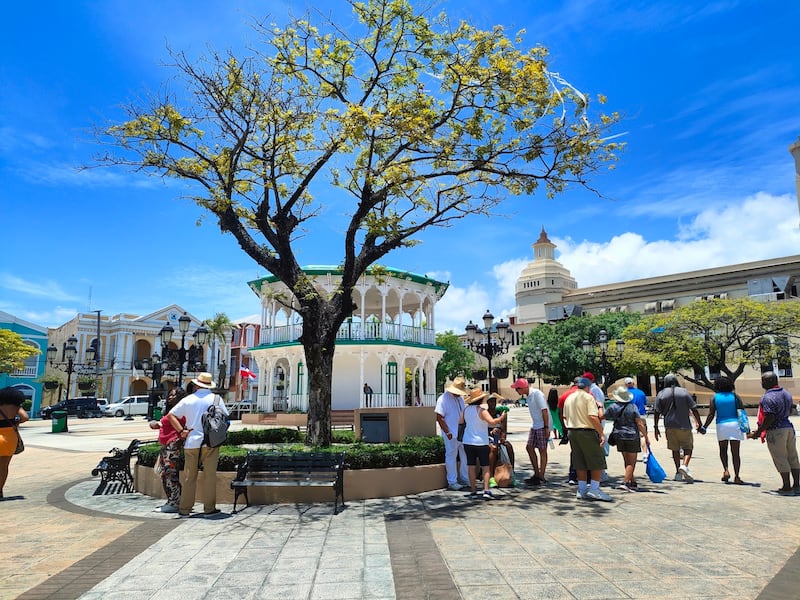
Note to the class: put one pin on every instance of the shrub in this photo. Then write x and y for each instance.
(411, 452)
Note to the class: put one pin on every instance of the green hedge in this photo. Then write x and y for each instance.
(411, 452)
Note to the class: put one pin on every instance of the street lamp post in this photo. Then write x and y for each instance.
(489, 347)
(68, 353)
(604, 356)
(537, 362)
(153, 369)
(200, 336)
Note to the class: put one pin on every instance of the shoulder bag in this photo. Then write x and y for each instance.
(741, 413)
(462, 426)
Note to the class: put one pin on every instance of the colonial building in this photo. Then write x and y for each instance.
(126, 346)
(390, 333)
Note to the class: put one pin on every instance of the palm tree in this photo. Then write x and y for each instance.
(219, 329)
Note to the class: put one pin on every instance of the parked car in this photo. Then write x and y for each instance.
(83, 408)
(129, 405)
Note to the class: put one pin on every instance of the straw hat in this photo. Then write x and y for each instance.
(476, 396)
(621, 394)
(204, 380)
(458, 387)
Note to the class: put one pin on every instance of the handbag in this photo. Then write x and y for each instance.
(158, 467)
(654, 470)
(462, 426)
(612, 438)
(20, 444)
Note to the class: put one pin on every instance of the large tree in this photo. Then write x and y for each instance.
(562, 343)
(14, 351)
(418, 121)
(723, 335)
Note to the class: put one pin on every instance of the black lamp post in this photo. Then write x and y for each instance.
(536, 362)
(489, 347)
(154, 370)
(200, 336)
(68, 353)
(604, 357)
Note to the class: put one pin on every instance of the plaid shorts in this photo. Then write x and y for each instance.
(537, 438)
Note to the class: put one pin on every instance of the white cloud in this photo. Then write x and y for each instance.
(762, 226)
(45, 289)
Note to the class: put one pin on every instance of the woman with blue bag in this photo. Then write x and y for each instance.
(726, 406)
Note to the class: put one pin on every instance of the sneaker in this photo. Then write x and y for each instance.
(625, 486)
(678, 476)
(184, 515)
(687, 475)
(572, 482)
(473, 496)
(604, 477)
(598, 495)
(168, 508)
(209, 513)
(492, 482)
(454, 487)
(581, 496)
(487, 495)
(534, 480)
(463, 484)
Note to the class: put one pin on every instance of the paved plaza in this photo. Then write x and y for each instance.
(672, 540)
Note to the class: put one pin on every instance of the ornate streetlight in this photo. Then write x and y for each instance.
(68, 353)
(176, 358)
(489, 347)
(605, 364)
(154, 369)
(537, 362)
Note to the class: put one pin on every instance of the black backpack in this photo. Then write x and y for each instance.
(215, 425)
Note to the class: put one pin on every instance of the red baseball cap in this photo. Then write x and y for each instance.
(520, 383)
(588, 376)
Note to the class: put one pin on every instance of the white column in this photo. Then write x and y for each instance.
(795, 151)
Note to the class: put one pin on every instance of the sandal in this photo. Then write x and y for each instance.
(738, 481)
(726, 476)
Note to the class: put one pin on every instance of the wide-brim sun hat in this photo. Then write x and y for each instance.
(621, 394)
(458, 387)
(476, 396)
(204, 380)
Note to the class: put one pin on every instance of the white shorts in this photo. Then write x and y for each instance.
(729, 430)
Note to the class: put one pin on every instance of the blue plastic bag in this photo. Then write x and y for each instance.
(744, 422)
(654, 470)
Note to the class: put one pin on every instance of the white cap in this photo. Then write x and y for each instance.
(629, 381)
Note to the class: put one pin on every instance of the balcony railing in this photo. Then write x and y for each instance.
(355, 332)
(25, 372)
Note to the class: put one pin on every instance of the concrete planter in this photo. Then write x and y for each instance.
(358, 485)
(280, 419)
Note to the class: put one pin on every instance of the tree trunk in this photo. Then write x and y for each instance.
(320, 375)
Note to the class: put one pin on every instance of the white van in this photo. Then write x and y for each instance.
(129, 405)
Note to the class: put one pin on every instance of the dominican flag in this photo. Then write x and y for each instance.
(246, 373)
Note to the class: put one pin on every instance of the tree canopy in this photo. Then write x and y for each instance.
(562, 343)
(401, 120)
(14, 351)
(724, 335)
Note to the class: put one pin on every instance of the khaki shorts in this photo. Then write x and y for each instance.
(586, 452)
(680, 438)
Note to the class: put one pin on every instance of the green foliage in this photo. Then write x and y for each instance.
(457, 360)
(726, 335)
(562, 341)
(14, 351)
(418, 121)
(411, 452)
(277, 435)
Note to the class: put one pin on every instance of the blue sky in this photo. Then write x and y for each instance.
(709, 92)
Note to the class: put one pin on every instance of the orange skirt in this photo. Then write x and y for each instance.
(8, 441)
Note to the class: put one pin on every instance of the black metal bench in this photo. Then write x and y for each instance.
(117, 466)
(290, 469)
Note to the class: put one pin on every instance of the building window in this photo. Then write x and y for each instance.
(650, 308)
(667, 305)
(298, 389)
(391, 378)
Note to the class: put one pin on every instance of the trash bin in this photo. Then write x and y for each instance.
(375, 428)
(59, 421)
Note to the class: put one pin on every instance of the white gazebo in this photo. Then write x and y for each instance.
(391, 332)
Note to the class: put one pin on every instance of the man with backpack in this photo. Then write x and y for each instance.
(206, 425)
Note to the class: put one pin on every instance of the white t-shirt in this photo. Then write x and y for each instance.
(536, 403)
(193, 407)
(450, 406)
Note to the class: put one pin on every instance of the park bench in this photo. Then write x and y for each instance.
(117, 466)
(290, 469)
